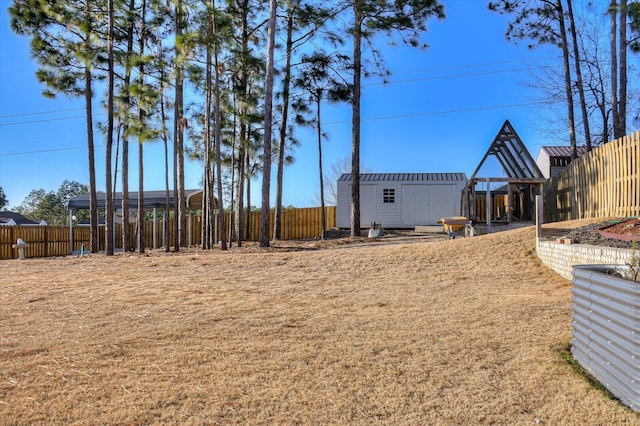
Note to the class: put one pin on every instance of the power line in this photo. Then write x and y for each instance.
(366, 84)
(450, 76)
(18, 123)
(44, 151)
(26, 114)
(453, 111)
(389, 117)
(488, 64)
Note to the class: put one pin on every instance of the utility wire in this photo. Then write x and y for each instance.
(389, 117)
(452, 111)
(26, 114)
(44, 151)
(364, 85)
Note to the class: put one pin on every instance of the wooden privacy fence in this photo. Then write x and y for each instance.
(43, 240)
(602, 183)
(297, 224)
(47, 241)
(499, 203)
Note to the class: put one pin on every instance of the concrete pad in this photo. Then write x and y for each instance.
(429, 229)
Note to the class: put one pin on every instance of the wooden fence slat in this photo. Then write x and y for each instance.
(604, 182)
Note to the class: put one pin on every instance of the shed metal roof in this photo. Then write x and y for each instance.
(563, 151)
(406, 177)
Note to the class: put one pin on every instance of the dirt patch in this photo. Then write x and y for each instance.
(462, 331)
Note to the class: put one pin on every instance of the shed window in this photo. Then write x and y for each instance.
(389, 195)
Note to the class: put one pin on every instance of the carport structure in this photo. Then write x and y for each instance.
(523, 179)
(152, 201)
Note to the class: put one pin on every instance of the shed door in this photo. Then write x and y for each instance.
(442, 202)
(426, 204)
(415, 205)
(367, 205)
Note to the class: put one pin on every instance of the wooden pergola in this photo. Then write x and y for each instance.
(520, 169)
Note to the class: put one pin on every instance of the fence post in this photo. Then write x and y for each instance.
(539, 216)
(12, 238)
(46, 241)
(489, 212)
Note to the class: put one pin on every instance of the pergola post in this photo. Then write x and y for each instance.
(155, 245)
(71, 239)
(488, 192)
(509, 203)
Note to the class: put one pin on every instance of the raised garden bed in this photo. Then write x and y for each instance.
(624, 230)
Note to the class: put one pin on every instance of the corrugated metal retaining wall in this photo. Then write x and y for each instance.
(606, 330)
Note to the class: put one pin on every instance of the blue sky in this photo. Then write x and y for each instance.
(439, 113)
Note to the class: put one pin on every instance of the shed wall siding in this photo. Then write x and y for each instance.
(388, 213)
(343, 210)
(416, 203)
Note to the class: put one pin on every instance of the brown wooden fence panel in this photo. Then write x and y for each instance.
(297, 224)
(602, 183)
(36, 236)
(6, 240)
(82, 238)
(499, 206)
(55, 240)
(58, 243)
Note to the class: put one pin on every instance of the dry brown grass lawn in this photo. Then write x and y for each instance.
(465, 331)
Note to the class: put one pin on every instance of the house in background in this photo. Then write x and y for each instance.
(16, 219)
(401, 200)
(552, 159)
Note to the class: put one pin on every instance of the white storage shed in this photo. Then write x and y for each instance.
(401, 200)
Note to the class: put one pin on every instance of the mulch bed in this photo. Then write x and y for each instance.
(610, 233)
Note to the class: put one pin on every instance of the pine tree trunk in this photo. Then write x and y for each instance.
(614, 69)
(239, 210)
(165, 140)
(126, 236)
(218, 142)
(207, 203)
(577, 66)
(179, 125)
(268, 109)
(141, 138)
(109, 207)
(355, 125)
(247, 173)
(93, 194)
(622, 110)
(140, 217)
(323, 226)
(283, 124)
(567, 80)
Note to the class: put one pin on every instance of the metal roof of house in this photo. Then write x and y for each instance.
(563, 151)
(151, 199)
(406, 177)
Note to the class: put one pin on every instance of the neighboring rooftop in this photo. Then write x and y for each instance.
(8, 218)
(552, 159)
(563, 151)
